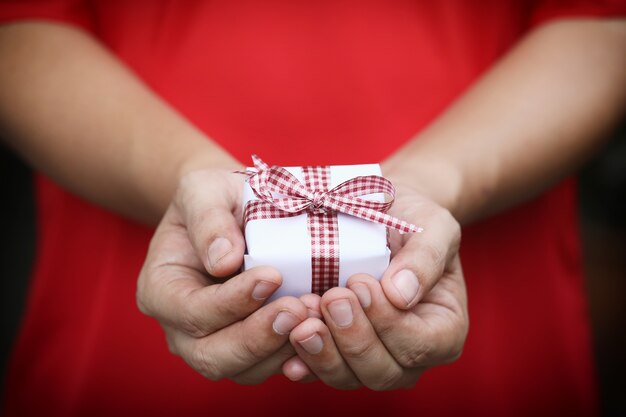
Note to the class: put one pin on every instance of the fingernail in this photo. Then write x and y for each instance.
(263, 289)
(313, 345)
(363, 294)
(407, 284)
(218, 249)
(285, 322)
(341, 312)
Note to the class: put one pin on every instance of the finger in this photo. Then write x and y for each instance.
(207, 201)
(316, 348)
(242, 345)
(184, 302)
(312, 303)
(285, 361)
(297, 370)
(266, 368)
(413, 341)
(358, 342)
(419, 263)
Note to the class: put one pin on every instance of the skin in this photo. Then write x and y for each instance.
(532, 119)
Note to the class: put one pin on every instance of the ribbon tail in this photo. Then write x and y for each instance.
(263, 210)
(381, 218)
(259, 164)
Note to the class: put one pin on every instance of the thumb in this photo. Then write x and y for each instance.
(207, 201)
(421, 261)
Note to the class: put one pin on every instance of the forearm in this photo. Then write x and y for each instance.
(76, 113)
(532, 119)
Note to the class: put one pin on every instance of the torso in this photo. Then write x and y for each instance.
(305, 83)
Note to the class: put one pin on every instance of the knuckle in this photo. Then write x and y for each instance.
(209, 222)
(190, 323)
(359, 350)
(337, 375)
(194, 319)
(254, 349)
(387, 382)
(335, 370)
(207, 213)
(225, 310)
(205, 362)
(387, 326)
(225, 305)
(433, 254)
(414, 356)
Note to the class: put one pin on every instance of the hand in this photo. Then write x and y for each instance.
(385, 334)
(220, 328)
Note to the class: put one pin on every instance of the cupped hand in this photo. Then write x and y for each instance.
(383, 335)
(220, 328)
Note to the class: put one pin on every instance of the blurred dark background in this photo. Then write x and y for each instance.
(602, 198)
(603, 225)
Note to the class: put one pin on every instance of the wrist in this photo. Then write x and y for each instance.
(206, 155)
(434, 178)
(158, 179)
(211, 164)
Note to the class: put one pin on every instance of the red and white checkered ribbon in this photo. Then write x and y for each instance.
(280, 195)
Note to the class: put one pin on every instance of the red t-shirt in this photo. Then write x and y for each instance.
(303, 82)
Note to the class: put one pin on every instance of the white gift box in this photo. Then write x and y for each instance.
(285, 243)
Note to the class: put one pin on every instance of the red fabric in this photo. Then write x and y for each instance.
(361, 77)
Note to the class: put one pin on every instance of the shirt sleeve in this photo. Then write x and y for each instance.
(546, 10)
(72, 12)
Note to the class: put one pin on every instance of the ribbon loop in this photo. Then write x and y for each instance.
(293, 197)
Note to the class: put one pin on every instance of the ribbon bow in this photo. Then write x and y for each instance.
(294, 198)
